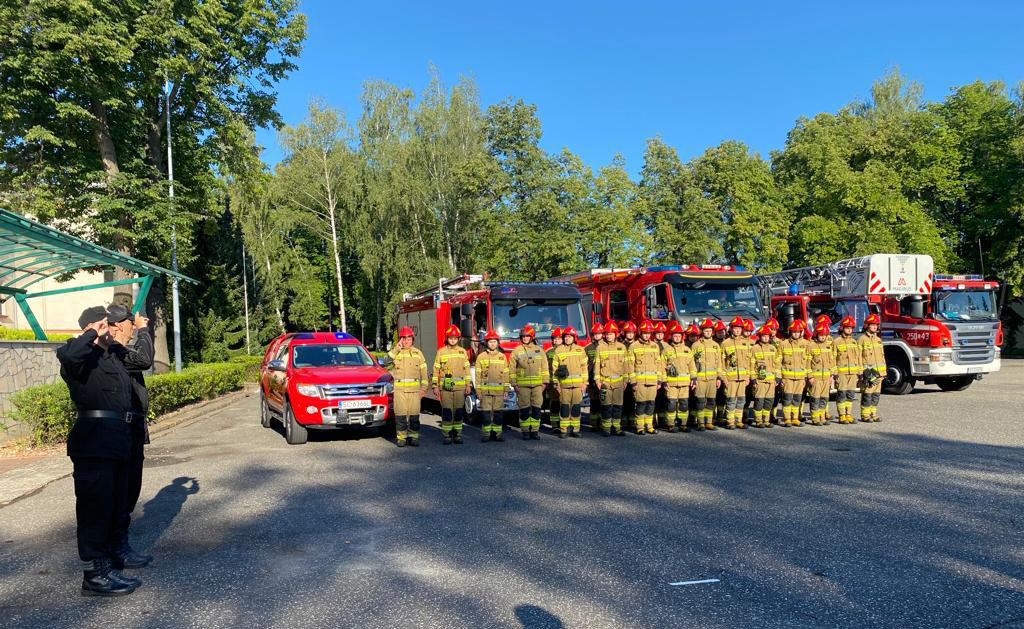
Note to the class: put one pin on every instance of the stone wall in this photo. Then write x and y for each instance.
(24, 364)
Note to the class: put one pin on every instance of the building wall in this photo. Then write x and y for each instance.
(59, 313)
(24, 364)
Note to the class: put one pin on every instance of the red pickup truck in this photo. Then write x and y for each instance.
(322, 381)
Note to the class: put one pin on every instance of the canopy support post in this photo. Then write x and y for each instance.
(30, 317)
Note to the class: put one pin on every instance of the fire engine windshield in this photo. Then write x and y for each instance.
(330, 356)
(509, 317)
(717, 299)
(964, 305)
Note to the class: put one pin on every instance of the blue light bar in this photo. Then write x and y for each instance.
(341, 336)
(655, 269)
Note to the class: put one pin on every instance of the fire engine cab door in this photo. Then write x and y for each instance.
(656, 298)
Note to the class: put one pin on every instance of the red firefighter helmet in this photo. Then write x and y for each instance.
(611, 327)
(675, 328)
(872, 318)
(660, 327)
(707, 323)
(629, 326)
(766, 329)
(848, 322)
(492, 334)
(821, 329)
(748, 325)
(528, 331)
(646, 326)
(737, 322)
(823, 317)
(406, 331)
(773, 323)
(693, 329)
(719, 326)
(798, 326)
(597, 330)
(556, 332)
(570, 331)
(453, 330)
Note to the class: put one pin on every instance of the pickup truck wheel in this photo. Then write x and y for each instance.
(265, 418)
(955, 383)
(294, 433)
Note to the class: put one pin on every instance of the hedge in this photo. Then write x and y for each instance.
(48, 409)
(12, 334)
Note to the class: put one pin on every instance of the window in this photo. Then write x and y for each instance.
(618, 305)
(657, 302)
(543, 315)
(588, 308)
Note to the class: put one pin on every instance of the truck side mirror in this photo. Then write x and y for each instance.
(466, 310)
(385, 360)
(466, 326)
(276, 365)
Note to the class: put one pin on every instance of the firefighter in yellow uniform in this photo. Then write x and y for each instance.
(529, 373)
(661, 402)
(646, 373)
(628, 403)
(409, 369)
(721, 332)
(491, 380)
(748, 406)
(766, 374)
(594, 412)
(735, 373)
(680, 374)
(556, 340)
(872, 355)
(848, 369)
(692, 334)
(452, 385)
(822, 374)
(794, 361)
(569, 366)
(707, 355)
(610, 376)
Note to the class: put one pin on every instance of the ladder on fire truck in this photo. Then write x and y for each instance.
(823, 279)
(452, 285)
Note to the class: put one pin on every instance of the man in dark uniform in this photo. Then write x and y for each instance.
(132, 334)
(100, 446)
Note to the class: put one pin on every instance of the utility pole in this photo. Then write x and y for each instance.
(245, 296)
(176, 313)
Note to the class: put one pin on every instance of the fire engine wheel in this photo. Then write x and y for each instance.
(265, 418)
(294, 433)
(898, 380)
(956, 383)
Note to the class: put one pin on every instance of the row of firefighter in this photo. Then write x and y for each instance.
(701, 377)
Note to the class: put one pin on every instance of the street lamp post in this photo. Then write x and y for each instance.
(176, 313)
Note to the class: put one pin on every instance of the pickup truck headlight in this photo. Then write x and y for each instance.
(389, 387)
(309, 390)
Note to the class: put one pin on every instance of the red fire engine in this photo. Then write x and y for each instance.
(685, 293)
(937, 329)
(477, 305)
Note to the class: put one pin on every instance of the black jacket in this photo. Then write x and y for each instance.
(98, 379)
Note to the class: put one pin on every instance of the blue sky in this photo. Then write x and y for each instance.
(607, 76)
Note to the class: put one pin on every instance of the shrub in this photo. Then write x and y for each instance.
(48, 409)
(11, 334)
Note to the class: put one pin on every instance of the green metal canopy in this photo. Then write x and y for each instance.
(30, 252)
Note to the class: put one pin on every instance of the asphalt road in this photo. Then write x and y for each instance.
(914, 522)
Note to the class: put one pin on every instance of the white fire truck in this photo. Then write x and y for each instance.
(937, 329)
(476, 305)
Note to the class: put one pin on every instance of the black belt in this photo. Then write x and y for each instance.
(126, 417)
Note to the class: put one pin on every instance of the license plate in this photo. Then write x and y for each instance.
(350, 405)
(974, 370)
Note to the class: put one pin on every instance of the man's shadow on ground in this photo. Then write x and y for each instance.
(160, 511)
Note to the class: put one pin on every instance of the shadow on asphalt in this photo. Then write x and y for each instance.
(811, 526)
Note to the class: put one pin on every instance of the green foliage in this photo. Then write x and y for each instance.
(11, 334)
(48, 410)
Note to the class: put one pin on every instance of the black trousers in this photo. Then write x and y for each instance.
(130, 498)
(101, 496)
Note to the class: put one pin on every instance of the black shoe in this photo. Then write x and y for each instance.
(457, 439)
(485, 437)
(124, 556)
(526, 435)
(134, 582)
(561, 435)
(620, 433)
(640, 433)
(414, 443)
(100, 580)
(447, 440)
(575, 435)
(674, 429)
(605, 433)
(499, 436)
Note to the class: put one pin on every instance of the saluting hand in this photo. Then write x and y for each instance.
(140, 321)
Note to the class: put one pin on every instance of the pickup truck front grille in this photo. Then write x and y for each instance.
(338, 391)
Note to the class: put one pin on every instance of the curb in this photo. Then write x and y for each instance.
(25, 481)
